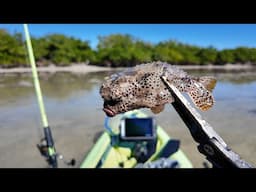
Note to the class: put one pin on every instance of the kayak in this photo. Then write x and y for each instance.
(110, 151)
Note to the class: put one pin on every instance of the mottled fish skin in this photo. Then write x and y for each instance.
(142, 87)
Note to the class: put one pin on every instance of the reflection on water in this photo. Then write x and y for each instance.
(252, 111)
(74, 109)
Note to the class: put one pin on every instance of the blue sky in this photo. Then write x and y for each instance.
(220, 36)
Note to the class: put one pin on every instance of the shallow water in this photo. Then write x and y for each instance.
(74, 109)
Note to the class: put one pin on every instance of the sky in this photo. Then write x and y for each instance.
(220, 36)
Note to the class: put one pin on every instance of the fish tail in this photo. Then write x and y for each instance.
(201, 94)
(208, 82)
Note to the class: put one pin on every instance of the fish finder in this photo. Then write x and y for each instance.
(138, 129)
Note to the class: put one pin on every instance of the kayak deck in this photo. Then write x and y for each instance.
(110, 152)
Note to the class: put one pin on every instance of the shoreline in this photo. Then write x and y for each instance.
(78, 68)
(81, 68)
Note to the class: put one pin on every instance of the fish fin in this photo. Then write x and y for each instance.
(201, 97)
(208, 82)
(157, 109)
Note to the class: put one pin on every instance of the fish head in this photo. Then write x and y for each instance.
(118, 93)
(133, 90)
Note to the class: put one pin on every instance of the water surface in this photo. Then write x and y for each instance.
(74, 109)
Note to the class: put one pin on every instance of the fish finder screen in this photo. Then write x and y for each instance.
(139, 127)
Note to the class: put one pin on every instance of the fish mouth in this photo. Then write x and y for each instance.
(109, 112)
(108, 104)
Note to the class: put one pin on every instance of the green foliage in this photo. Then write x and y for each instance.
(12, 51)
(253, 55)
(168, 52)
(61, 50)
(207, 55)
(141, 52)
(123, 50)
(114, 50)
(177, 53)
(189, 53)
(242, 54)
(226, 56)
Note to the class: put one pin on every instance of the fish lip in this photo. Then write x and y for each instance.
(109, 112)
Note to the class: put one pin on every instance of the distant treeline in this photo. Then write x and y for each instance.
(114, 51)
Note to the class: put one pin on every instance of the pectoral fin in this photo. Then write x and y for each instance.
(202, 97)
(157, 109)
(208, 82)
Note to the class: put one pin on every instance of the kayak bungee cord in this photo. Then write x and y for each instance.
(46, 148)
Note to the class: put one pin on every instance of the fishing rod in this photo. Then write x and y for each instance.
(46, 147)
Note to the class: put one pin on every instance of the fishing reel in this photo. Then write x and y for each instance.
(52, 159)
